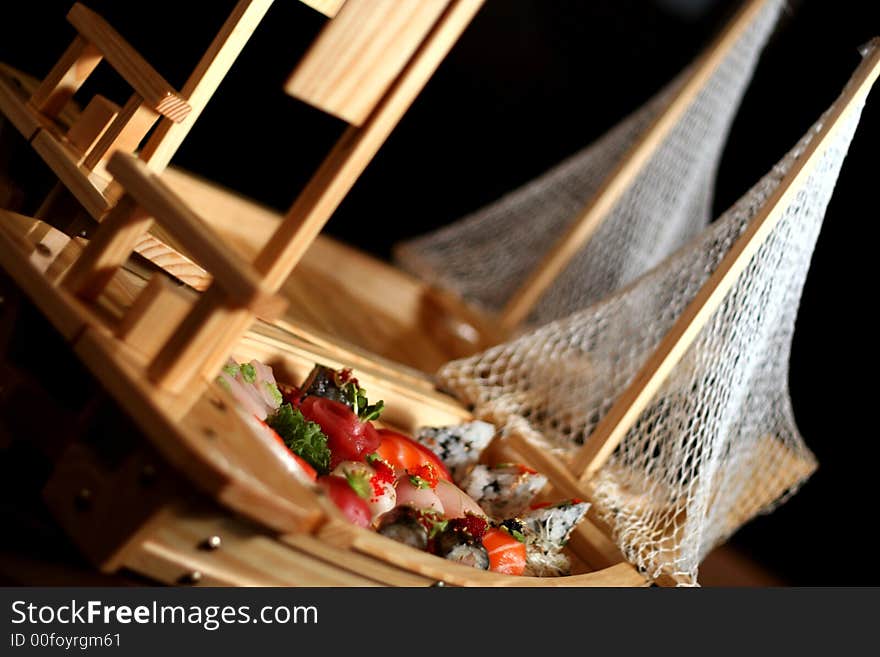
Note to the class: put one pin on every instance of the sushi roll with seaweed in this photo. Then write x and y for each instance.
(458, 446)
(546, 531)
(505, 490)
(461, 541)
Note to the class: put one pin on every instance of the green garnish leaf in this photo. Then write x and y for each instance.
(433, 522)
(438, 527)
(248, 373)
(372, 412)
(514, 527)
(223, 382)
(418, 482)
(349, 394)
(230, 369)
(303, 438)
(359, 484)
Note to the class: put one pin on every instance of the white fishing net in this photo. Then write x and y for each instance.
(487, 256)
(718, 443)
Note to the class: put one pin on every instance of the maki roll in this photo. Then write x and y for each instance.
(405, 525)
(546, 531)
(505, 490)
(461, 541)
(459, 446)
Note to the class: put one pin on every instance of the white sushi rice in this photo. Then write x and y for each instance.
(502, 491)
(458, 446)
(549, 527)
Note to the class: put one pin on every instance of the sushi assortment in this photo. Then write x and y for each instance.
(430, 491)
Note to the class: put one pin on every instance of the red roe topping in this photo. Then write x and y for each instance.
(424, 476)
(471, 525)
(384, 474)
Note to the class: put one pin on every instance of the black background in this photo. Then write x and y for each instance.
(530, 82)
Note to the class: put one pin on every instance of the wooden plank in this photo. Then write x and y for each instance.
(29, 235)
(64, 163)
(204, 80)
(15, 108)
(199, 433)
(629, 405)
(624, 174)
(92, 123)
(429, 565)
(69, 319)
(239, 282)
(66, 77)
(355, 562)
(242, 222)
(159, 298)
(246, 556)
(124, 133)
(109, 248)
(356, 148)
(197, 346)
(161, 252)
(23, 86)
(358, 54)
(391, 304)
(133, 68)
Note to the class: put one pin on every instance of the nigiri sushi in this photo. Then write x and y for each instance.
(503, 491)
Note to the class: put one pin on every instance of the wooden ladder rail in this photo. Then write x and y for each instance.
(77, 156)
(180, 360)
(591, 217)
(148, 199)
(345, 72)
(90, 140)
(575, 479)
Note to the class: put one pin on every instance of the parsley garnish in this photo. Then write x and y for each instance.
(514, 527)
(356, 399)
(433, 521)
(372, 412)
(303, 438)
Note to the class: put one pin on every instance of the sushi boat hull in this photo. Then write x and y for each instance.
(172, 485)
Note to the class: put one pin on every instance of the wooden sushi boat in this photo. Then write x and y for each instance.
(154, 471)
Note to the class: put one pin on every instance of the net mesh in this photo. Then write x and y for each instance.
(718, 443)
(487, 256)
